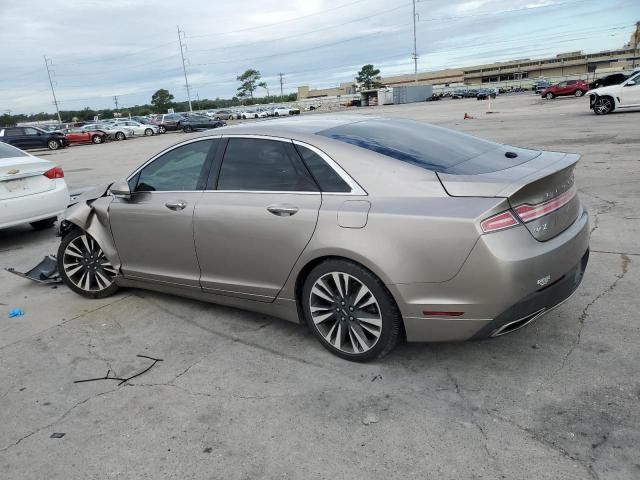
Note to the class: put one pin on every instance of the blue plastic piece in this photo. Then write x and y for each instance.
(15, 312)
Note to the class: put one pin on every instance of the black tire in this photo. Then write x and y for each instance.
(54, 144)
(63, 268)
(579, 93)
(276, 114)
(384, 305)
(604, 106)
(44, 224)
(120, 136)
(162, 129)
(187, 129)
(97, 139)
(549, 96)
(148, 132)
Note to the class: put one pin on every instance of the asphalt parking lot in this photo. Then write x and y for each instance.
(242, 396)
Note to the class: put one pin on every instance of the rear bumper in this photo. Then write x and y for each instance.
(31, 208)
(507, 276)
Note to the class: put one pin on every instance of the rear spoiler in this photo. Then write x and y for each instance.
(505, 183)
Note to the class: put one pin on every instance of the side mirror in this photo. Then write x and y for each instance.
(630, 83)
(120, 189)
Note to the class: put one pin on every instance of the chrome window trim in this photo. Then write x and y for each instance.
(356, 189)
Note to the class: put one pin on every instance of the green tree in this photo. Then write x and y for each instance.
(248, 83)
(368, 77)
(162, 100)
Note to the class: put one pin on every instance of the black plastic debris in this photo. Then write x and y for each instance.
(123, 380)
(45, 272)
(57, 435)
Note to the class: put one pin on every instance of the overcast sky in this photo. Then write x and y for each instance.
(130, 48)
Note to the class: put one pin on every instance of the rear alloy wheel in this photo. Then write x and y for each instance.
(350, 311)
(148, 132)
(53, 144)
(603, 106)
(549, 96)
(44, 224)
(96, 139)
(120, 136)
(579, 93)
(84, 267)
(162, 129)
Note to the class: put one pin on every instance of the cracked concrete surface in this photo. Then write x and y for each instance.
(244, 396)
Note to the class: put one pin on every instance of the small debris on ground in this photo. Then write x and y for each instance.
(16, 312)
(369, 419)
(57, 435)
(535, 346)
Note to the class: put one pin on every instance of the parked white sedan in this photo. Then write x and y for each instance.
(32, 190)
(137, 127)
(280, 111)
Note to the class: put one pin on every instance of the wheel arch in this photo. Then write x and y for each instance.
(304, 271)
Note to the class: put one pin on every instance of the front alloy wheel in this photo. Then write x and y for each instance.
(603, 105)
(120, 136)
(148, 132)
(162, 129)
(84, 267)
(350, 310)
(53, 144)
(549, 96)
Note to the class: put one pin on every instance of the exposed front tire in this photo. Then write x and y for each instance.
(97, 139)
(549, 96)
(148, 132)
(350, 311)
(83, 266)
(603, 106)
(162, 129)
(120, 136)
(44, 224)
(54, 144)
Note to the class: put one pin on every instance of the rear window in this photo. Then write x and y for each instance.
(7, 151)
(427, 146)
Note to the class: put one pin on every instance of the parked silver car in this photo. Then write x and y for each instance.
(368, 229)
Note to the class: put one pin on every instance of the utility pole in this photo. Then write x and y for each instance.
(53, 92)
(115, 100)
(184, 68)
(197, 101)
(281, 75)
(415, 45)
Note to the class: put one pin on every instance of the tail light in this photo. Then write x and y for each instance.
(499, 222)
(528, 212)
(55, 172)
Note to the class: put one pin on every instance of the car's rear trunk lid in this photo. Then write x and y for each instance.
(23, 176)
(541, 191)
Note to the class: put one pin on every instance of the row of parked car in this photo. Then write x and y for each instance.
(254, 112)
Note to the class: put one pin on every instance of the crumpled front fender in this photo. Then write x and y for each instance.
(91, 214)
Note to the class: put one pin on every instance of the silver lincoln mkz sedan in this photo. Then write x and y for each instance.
(368, 229)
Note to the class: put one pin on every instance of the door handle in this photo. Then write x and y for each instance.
(283, 210)
(176, 205)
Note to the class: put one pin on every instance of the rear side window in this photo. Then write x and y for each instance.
(7, 151)
(263, 165)
(13, 132)
(322, 172)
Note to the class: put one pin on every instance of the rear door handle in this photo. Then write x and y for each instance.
(176, 205)
(283, 210)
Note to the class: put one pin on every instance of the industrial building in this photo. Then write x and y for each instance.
(520, 72)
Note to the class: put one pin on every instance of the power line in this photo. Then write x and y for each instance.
(184, 68)
(53, 92)
(315, 14)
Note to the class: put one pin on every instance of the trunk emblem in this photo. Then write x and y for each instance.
(13, 171)
(544, 280)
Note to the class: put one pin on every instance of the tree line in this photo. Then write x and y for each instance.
(162, 100)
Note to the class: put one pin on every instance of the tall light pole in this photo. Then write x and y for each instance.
(281, 75)
(53, 92)
(415, 45)
(184, 68)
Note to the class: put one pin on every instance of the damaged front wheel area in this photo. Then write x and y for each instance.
(84, 267)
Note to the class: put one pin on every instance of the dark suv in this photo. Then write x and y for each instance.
(32, 137)
(167, 121)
